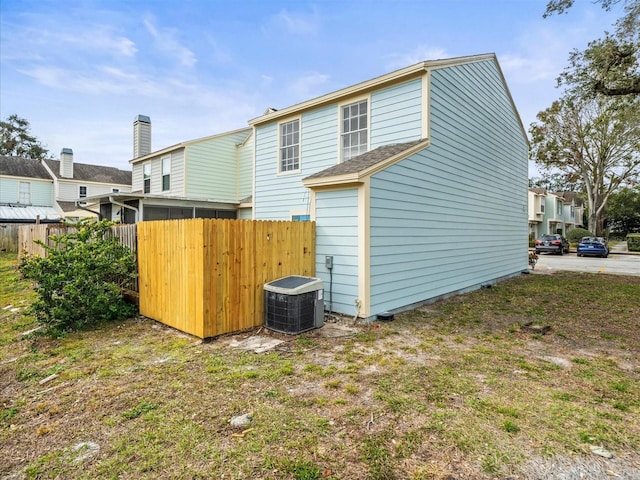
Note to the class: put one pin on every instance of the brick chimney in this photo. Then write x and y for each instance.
(141, 136)
(66, 163)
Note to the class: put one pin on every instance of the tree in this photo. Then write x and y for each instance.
(609, 66)
(623, 211)
(596, 140)
(17, 141)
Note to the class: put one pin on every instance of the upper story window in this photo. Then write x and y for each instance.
(24, 193)
(166, 173)
(354, 129)
(290, 146)
(115, 190)
(559, 207)
(146, 177)
(82, 191)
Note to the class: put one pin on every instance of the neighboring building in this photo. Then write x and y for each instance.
(49, 190)
(554, 212)
(411, 177)
(26, 192)
(208, 177)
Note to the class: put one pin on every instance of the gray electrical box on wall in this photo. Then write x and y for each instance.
(328, 262)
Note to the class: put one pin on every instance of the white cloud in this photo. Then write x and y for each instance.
(167, 43)
(307, 85)
(298, 23)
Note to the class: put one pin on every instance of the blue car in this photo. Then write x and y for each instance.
(592, 246)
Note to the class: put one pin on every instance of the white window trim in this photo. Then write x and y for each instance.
(162, 163)
(86, 191)
(279, 133)
(144, 168)
(340, 107)
(27, 193)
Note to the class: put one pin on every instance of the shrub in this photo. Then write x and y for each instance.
(78, 282)
(633, 242)
(575, 234)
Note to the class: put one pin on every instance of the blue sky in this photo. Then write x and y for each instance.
(80, 70)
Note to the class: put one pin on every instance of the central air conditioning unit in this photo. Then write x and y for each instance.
(294, 304)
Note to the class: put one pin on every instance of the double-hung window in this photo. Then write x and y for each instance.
(166, 173)
(24, 193)
(146, 177)
(290, 146)
(354, 129)
(82, 191)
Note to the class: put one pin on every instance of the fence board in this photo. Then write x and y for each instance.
(206, 276)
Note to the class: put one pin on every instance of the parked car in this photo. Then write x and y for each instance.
(552, 243)
(593, 246)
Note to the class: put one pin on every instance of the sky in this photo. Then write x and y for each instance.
(80, 71)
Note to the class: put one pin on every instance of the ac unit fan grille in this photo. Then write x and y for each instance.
(290, 313)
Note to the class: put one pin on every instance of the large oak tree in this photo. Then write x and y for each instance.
(593, 140)
(609, 66)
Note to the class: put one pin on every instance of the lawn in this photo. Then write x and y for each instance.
(453, 390)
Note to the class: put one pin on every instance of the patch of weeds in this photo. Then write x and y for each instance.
(581, 361)
(622, 386)
(8, 413)
(141, 408)
(623, 407)
(510, 427)
(375, 454)
(335, 383)
(304, 341)
(352, 389)
(607, 336)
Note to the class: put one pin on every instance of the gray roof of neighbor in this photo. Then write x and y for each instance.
(93, 173)
(23, 167)
(366, 160)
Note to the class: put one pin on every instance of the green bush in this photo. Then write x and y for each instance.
(78, 282)
(575, 234)
(633, 242)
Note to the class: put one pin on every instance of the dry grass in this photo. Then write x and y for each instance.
(455, 390)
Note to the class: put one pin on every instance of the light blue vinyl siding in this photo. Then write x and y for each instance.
(436, 215)
(337, 235)
(396, 114)
(41, 191)
(211, 167)
(276, 196)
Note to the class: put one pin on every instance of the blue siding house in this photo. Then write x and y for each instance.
(411, 178)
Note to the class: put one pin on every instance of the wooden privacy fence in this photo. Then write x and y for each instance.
(205, 276)
(28, 234)
(9, 237)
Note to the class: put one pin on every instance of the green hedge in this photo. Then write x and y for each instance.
(575, 234)
(633, 242)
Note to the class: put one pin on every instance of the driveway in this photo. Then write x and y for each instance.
(619, 262)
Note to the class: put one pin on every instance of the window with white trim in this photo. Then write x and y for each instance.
(146, 178)
(82, 191)
(354, 129)
(24, 193)
(290, 146)
(166, 173)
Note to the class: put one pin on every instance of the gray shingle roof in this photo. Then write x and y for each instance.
(93, 173)
(23, 167)
(366, 160)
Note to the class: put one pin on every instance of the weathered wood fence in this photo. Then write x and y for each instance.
(205, 277)
(9, 237)
(29, 234)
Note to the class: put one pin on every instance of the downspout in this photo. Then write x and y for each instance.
(124, 206)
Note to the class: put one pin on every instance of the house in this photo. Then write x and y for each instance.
(553, 212)
(49, 190)
(26, 192)
(73, 182)
(208, 177)
(411, 177)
